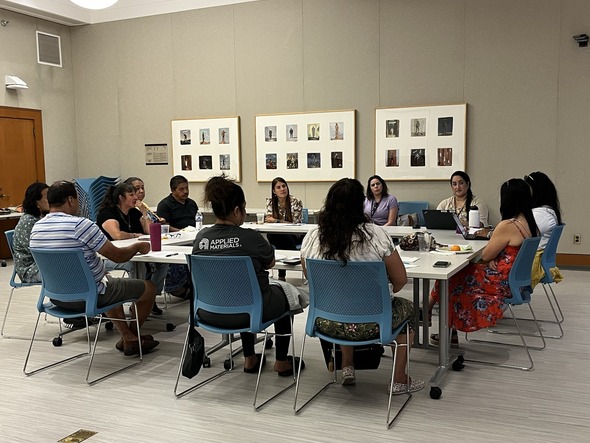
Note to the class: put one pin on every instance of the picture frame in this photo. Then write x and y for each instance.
(306, 147)
(420, 142)
(205, 147)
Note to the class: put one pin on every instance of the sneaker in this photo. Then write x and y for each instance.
(77, 323)
(434, 340)
(402, 388)
(348, 377)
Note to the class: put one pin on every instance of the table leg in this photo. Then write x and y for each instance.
(443, 334)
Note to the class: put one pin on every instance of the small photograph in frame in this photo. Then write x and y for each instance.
(291, 133)
(204, 137)
(445, 156)
(185, 137)
(292, 160)
(270, 134)
(391, 128)
(223, 136)
(337, 131)
(445, 126)
(271, 161)
(205, 162)
(186, 162)
(418, 127)
(418, 157)
(313, 131)
(392, 159)
(314, 160)
(336, 158)
(224, 163)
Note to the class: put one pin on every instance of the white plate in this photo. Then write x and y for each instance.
(280, 257)
(465, 249)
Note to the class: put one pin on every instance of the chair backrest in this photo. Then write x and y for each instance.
(304, 215)
(519, 278)
(413, 207)
(226, 285)
(66, 277)
(355, 293)
(549, 257)
(10, 240)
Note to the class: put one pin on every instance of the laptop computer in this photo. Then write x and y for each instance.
(468, 233)
(437, 219)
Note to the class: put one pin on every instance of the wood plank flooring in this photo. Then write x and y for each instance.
(549, 404)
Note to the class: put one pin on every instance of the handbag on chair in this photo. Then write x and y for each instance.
(195, 347)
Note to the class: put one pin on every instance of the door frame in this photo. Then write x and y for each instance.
(35, 115)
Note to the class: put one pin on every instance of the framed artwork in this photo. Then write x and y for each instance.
(421, 142)
(202, 148)
(312, 146)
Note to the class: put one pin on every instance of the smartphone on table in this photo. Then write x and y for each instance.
(442, 264)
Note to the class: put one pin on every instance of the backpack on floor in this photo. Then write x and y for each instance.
(365, 357)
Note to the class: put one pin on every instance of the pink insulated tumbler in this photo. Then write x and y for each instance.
(156, 236)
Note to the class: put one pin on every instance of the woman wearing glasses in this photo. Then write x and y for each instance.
(380, 207)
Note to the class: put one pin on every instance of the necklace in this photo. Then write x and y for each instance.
(126, 219)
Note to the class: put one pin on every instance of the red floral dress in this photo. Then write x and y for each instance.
(477, 293)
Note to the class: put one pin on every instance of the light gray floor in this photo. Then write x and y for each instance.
(549, 404)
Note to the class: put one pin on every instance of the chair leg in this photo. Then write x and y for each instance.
(52, 364)
(534, 319)
(550, 286)
(409, 394)
(6, 313)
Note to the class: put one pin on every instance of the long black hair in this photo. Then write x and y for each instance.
(384, 192)
(515, 199)
(224, 196)
(467, 180)
(544, 192)
(341, 219)
(111, 198)
(32, 196)
(275, 200)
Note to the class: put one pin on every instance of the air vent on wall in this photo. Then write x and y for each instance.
(48, 49)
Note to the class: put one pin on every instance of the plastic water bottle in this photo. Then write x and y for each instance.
(198, 220)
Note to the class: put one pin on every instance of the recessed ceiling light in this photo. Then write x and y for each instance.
(94, 4)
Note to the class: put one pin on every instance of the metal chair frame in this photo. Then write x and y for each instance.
(519, 281)
(355, 293)
(228, 285)
(77, 284)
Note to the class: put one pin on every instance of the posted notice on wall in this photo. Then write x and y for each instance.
(156, 154)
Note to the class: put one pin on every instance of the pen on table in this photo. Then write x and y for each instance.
(170, 255)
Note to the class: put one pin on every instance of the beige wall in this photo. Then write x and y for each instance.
(514, 63)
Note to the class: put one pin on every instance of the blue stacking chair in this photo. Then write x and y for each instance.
(15, 283)
(413, 207)
(548, 261)
(228, 285)
(66, 277)
(519, 281)
(355, 293)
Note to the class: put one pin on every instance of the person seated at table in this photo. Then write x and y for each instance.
(229, 206)
(380, 206)
(463, 200)
(547, 213)
(35, 207)
(180, 211)
(62, 228)
(477, 292)
(156, 272)
(344, 234)
(282, 207)
(119, 219)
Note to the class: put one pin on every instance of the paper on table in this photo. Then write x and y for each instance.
(408, 260)
(161, 254)
(407, 265)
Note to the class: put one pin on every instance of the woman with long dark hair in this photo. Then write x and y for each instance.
(229, 206)
(282, 207)
(380, 206)
(477, 293)
(463, 199)
(344, 234)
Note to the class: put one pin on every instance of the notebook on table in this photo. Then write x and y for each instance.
(468, 233)
(437, 219)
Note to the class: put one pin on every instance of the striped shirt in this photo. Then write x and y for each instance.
(60, 230)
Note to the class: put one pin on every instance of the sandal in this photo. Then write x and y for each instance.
(348, 376)
(132, 348)
(434, 340)
(119, 346)
(402, 388)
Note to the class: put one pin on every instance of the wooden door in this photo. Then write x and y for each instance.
(21, 156)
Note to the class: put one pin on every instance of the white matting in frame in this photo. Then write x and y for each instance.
(311, 146)
(205, 147)
(420, 143)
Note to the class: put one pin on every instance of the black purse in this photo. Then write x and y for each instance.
(195, 349)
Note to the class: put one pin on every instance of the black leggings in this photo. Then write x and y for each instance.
(274, 306)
